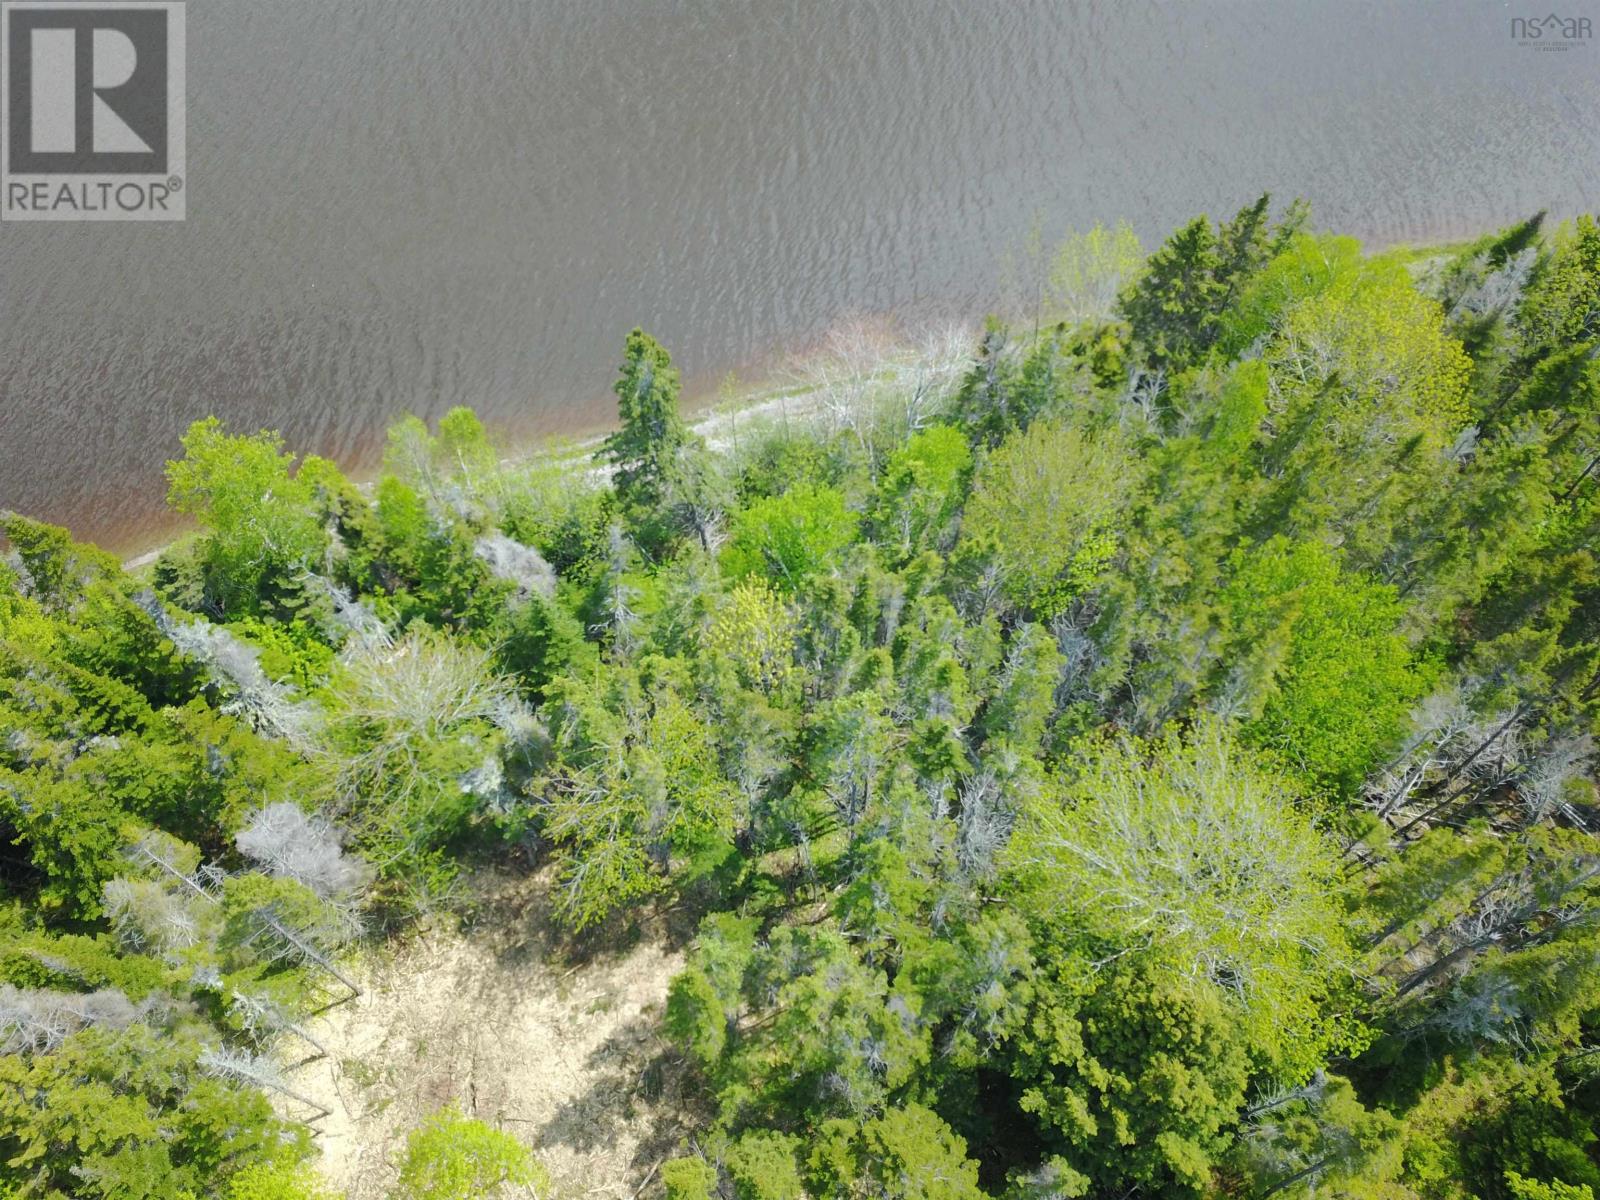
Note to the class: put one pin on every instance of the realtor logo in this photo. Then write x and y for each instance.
(91, 111)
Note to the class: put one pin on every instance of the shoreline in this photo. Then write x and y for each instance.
(713, 416)
(765, 396)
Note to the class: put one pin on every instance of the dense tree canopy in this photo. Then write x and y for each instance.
(1152, 756)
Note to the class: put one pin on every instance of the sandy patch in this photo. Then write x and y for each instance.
(565, 1053)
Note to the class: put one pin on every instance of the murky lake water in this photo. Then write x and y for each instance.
(406, 205)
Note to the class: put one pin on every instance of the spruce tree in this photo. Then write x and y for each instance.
(645, 449)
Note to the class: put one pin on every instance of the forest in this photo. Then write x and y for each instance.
(1148, 755)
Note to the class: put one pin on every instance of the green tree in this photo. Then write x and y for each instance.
(1196, 859)
(646, 448)
(278, 1181)
(688, 1179)
(1134, 1079)
(129, 1115)
(1522, 1188)
(1046, 507)
(453, 1157)
(762, 1166)
(754, 630)
(1343, 681)
(906, 1153)
(261, 519)
(923, 484)
(1177, 306)
(1090, 269)
(790, 537)
(1173, 305)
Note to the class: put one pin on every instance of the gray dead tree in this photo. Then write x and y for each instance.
(292, 844)
(359, 623)
(268, 705)
(37, 1021)
(262, 1018)
(240, 1066)
(279, 941)
(521, 565)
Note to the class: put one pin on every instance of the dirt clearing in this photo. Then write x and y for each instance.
(566, 1054)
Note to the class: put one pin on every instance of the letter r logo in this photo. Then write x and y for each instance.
(87, 89)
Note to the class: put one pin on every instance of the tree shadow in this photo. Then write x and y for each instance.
(640, 1085)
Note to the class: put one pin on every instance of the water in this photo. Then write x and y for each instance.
(405, 206)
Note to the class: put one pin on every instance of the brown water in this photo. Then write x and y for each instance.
(409, 205)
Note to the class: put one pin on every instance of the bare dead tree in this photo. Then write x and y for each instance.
(37, 1021)
(241, 1066)
(261, 1017)
(359, 622)
(268, 705)
(279, 941)
(293, 844)
(521, 565)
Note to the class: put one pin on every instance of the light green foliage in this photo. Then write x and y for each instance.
(259, 517)
(1342, 677)
(1387, 345)
(635, 786)
(1308, 266)
(1046, 507)
(1241, 408)
(688, 1179)
(460, 462)
(1522, 1188)
(754, 630)
(127, 1115)
(1152, 757)
(405, 724)
(1323, 1132)
(464, 443)
(1366, 376)
(1090, 269)
(790, 537)
(921, 488)
(291, 654)
(762, 1166)
(1561, 307)
(695, 1017)
(1200, 861)
(276, 1181)
(452, 1157)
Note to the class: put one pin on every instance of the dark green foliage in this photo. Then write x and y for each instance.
(540, 640)
(1177, 305)
(657, 468)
